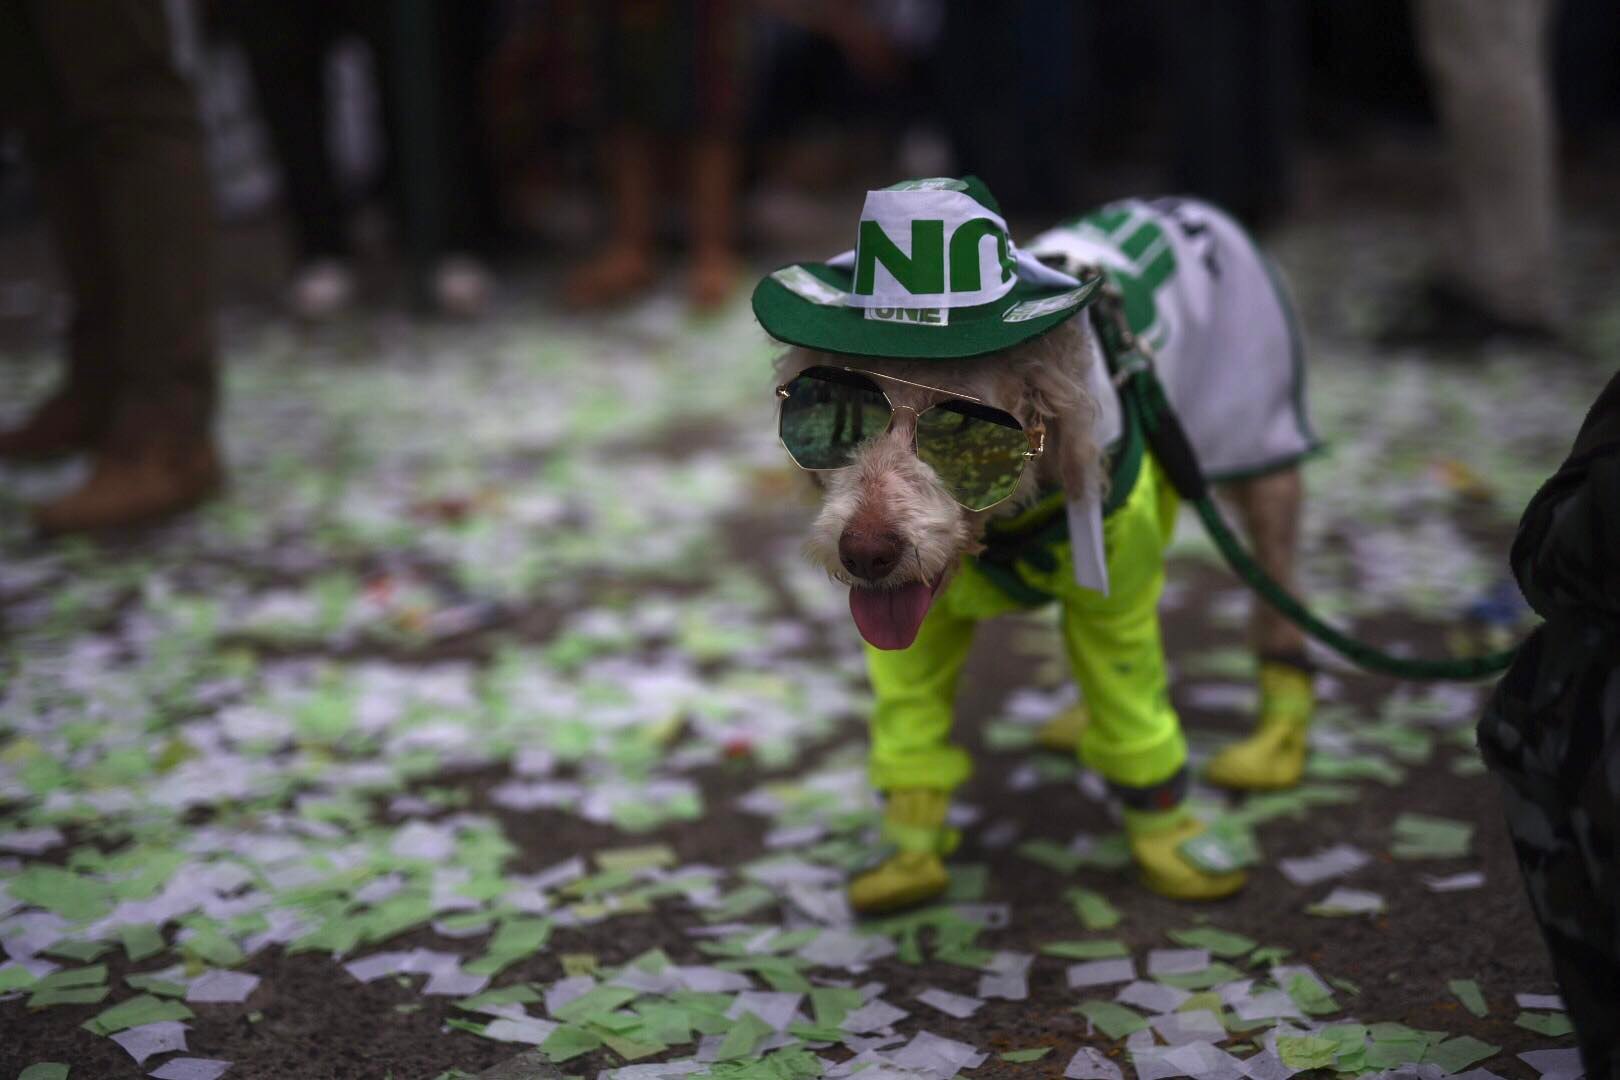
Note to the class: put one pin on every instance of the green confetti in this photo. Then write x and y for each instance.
(82, 951)
(1085, 950)
(16, 978)
(632, 1049)
(1111, 852)
(208, 944)
(1268, 955)
(1551, 1024)
(569, 1042)
(517, 939)
(141, 940)
(1467, 991)
(1219, 942)
(601, 999)
(1455, 1055)
(85, 976)
(72, 896)
(1023, 1057)
(1420, 836)
(155, 985)
(747, 1033)
(68, 995)
(969, 883)
(1050, 854)
(631, 859)
(1093, 909)
(44, 1070)
(1395, 1044)
(1354, 767)
(521, 994)
(1111, 1018)
(831, 1004)
(1311, 996)
(1217, 973)
(1306, 1051)
(133, 1013)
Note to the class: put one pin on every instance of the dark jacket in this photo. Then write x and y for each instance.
(1567, 554)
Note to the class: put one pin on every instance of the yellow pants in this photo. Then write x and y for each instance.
(1134, 737)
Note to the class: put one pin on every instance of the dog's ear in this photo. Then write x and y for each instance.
(1055, 381)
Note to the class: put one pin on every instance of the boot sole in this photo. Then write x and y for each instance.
(47, 529)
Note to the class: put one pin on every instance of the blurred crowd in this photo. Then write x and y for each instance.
(449, 134)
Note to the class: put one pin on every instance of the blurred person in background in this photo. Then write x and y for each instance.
(1488, 68)
(669, 88)
(111, 131)
(1551, 731)
(1233, 70)
(427, 59)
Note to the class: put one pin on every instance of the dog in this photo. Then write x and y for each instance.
(922, 564)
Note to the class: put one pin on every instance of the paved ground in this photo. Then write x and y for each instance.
(495, 706)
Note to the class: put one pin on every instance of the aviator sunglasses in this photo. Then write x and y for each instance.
(977, 451)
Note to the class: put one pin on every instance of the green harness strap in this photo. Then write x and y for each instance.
(1133, 371)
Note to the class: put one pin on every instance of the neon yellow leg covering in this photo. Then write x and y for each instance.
(1156, 837)
(1274, 756)
(914, 822)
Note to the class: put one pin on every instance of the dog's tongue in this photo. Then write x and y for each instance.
(890, 618)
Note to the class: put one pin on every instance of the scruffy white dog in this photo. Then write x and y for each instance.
(977, 457)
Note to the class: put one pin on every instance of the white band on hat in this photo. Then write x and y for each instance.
(930, 248)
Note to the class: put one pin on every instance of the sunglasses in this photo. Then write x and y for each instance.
(977, 451)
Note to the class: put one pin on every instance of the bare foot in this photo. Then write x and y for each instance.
(614, 276)
(713, 279)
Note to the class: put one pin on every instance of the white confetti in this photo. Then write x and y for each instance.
(530, 1030)
(190, 1069)
(220, 987)
(1101, 972)
(162, 1037)
(1336, 861)
(958, 1005)
(1089, 1063)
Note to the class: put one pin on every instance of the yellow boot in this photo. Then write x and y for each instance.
(1274, 756)
(1062, 732)
(913, 822)
(1156, 838)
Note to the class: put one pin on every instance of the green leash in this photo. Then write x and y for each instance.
(1133, 373)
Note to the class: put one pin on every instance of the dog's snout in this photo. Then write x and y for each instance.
(870, 555)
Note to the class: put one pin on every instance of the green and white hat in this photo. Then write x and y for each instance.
(934, 275)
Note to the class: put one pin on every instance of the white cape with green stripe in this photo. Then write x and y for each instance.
(1200, 293)
(1225, 347)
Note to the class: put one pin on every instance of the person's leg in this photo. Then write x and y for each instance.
(76, 415)
(1551, 734)
(1571, 888)
(1488, 66)
(912, 760)
(287, 44)
(130, 118)
(625, 265)
(1274, 756)
(715, 268)
(1233, 135)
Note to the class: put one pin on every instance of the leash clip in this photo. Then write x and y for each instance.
(1136, 362)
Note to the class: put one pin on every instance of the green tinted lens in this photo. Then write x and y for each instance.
(826, 417)
(977, 453)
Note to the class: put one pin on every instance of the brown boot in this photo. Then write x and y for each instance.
(67, 423)
(137, 481)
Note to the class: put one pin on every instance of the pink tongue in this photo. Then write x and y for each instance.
(890, 618)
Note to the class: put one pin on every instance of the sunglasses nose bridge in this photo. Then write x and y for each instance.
(894, 421)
